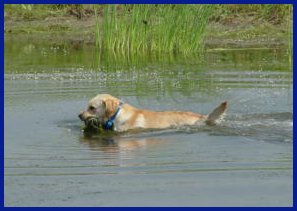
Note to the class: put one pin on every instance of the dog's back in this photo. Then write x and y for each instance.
(164, 119)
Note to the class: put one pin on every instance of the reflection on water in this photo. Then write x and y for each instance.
(244, 161)
(63, 57)
(118, 149)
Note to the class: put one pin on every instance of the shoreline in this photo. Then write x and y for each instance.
(70, 29)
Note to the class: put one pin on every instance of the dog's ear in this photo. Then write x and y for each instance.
(110, 107)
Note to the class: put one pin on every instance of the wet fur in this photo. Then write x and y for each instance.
(103, 106)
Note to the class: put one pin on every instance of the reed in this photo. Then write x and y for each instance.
(152, 28)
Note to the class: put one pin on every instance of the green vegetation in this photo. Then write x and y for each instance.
(252, 23)
(270, 13)
(154, 28)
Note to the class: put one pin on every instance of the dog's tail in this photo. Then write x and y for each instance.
(217, 114)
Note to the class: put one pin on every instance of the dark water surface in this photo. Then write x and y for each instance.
(244, 161)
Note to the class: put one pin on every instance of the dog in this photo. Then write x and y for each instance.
(115, 115)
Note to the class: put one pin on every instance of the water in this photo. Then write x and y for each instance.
(244, 161)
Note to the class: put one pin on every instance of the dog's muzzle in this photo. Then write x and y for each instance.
(81, 116)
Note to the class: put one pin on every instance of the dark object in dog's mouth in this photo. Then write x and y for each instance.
(92, 124)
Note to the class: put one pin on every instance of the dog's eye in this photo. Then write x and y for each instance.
(92, 108)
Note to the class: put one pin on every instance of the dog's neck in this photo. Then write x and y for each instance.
(109, 123)
(124, 115)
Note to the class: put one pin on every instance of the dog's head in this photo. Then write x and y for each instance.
(101, 107)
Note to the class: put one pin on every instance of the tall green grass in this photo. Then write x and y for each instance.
(152, 28)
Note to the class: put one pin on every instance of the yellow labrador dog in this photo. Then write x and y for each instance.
(115, 115)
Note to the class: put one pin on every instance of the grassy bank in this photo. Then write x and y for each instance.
(158, 28)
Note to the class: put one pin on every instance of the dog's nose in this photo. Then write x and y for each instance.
(80, 116)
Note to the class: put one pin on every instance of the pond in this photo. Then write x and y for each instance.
(246, 160)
